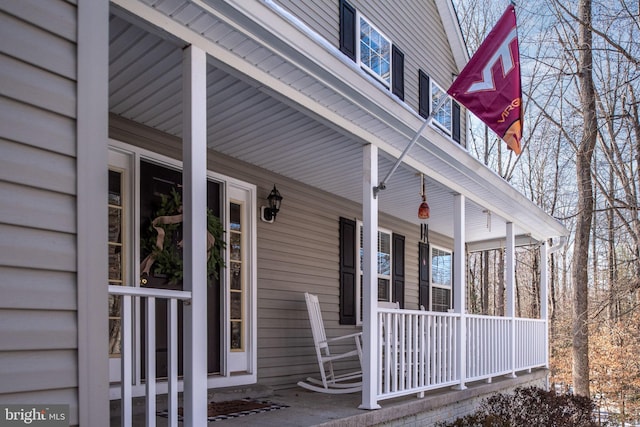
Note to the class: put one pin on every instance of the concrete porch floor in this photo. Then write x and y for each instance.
(306, 408)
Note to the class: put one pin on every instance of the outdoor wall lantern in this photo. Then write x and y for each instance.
(268, 213)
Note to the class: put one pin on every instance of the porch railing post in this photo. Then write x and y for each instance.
(369, 281)
(544, 298)
(511, 301)
(194, 154)
(459, 288)
(126, 369)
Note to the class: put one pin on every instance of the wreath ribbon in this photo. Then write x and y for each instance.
(147, 263)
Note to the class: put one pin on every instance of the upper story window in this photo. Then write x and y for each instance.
(443, 117)
(447, 118)
(374, 51)
(361, 41)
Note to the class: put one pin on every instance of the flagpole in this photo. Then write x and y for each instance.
(383, 184)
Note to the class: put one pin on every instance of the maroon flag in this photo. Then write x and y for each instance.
(489, 85)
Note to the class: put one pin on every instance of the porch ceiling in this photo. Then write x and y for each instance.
(249, 121)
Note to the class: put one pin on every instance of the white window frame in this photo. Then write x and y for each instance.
(236, 368)
(123, 164)
(384, 80)
(438, 116)
(432, 284)
(378, 276)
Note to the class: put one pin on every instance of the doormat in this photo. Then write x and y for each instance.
(219, 411)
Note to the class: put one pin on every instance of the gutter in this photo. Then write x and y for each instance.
(557, 246)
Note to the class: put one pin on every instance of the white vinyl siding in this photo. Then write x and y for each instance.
(38, 338)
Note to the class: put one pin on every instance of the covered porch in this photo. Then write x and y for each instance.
(301, 407)
(418, 354)
(207, 76)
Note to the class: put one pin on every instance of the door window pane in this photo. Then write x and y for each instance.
(236, 275)
(237, 287)
(236, 336)
(115, 250)
(234, 217)
(236, 306)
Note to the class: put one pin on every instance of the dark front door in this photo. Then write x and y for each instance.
(161, 258)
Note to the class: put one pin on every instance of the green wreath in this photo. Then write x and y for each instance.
(164, 257)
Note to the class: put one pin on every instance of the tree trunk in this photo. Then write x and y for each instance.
(536, 285)
(613, 309)
(485, 282)
(500, 296)
(552, 293)
(585, 204)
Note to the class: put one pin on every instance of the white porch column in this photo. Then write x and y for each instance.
(459, 285)
(511, 299)
(194, 180)
(92, 138)
(370, 279)
(544, 297)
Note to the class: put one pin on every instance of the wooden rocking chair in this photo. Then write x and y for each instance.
(329, 382)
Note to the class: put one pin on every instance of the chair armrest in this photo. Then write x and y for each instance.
(354, 335)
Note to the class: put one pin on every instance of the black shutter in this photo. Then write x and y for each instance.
(348, 276)
(455, 121)
(398, 269)
(424, 101)
(397, 76)
(423, 274)
(348, 30)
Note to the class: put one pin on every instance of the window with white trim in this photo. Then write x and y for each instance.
(374, 51)
(443, 117)
(384, 263)
(441, 279)
(364, 44)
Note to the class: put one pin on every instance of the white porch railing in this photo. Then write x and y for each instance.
(417, 349)
(149, 295)
(488, 346)
(531, 345)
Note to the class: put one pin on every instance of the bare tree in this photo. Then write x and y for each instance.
(584, 157)
(580, 162)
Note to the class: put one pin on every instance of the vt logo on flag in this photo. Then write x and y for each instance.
(489, 85)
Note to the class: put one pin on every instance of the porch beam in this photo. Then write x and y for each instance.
(459, 288)
(194, 154)
(369, 281)
(510, 294)
(492, 244)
